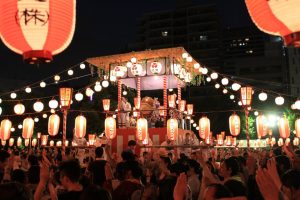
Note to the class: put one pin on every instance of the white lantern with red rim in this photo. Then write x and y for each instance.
(5, 129)
(284, 127)
(246, 96)
(53, 125)
(181, 105)
(190, 109)
(142, 129)
(172, 129)
(261, 126)
(28, 127)
(171, 101)
(204, 127)
(110, 128)
(80, 126)
(106, 104)
(234, 124)
(297, 127)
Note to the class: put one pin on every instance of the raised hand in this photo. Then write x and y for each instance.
(266, 185)
(272, 171)
(180, 188)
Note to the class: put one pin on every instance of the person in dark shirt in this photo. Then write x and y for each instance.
(97, 168)
(69, 178)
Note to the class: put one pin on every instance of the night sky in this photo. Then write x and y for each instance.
(103, 28)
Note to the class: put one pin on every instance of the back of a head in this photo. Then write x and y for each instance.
(232, 163)
(127, 155)
(133, 166)
(14, 191)
(94, 192)
(33, 160)
(195, 165)
(131, 143)
(283, 164)
(291, 179)
(178, 168)
(3, 155)
(237, 188)
(19, 176)
(70, 169)
(166, 160)
(99, 152)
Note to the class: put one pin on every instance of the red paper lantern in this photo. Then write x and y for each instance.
(181, 105)
(296, 141)
(277, 18)
(172, 129)
(190, 109)
(37, 29)
(28, 126)
(261, 126)
(246, 96)
(142, 130)
(284, 128)
(92, 139)
(297, 127)
(204, 127)
(5, 129)
(234, 124)
(106, 104)
(161, 111)
(53, 125)
(80, 126)
(44, 140)
(110, 128)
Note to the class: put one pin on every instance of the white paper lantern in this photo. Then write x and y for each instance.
(204, 70)
(217, 85)
(36, 119)
(189, 59)
(224, 81)
(45, 116)
(56, 78)
(42, 84)
(13, 95)
(133, 60)
(279, 100)
(38, 106)
(155, 67)
(53, 104)
(97, 86)
(70, 72)
(262, 96)
(297, 104)
(185, 55)
(196, 66)
(232, 96)
(214, 75)
(27, 89)
(136, 69)
(105, 83)
(19, 109)
(225, 91)
(82, 66)
(208, 79)
(89, 92)
(235, 86)
(78, 96)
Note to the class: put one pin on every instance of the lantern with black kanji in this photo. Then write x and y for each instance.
(142, 129)
(172, 129)
(37, 29)
(234, 124)
(204, 127)
(110, 128)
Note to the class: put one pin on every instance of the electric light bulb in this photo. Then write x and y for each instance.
(27, 89)
(214, 75)
(204, 70)
(42, 84)
(196, 66)
(231, 96)
(208, 79)
(217, 85)
(235, 86)
(70, 72)
(224, 81)
(82, 66)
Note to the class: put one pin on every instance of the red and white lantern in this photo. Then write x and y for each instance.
(284, 128)
(155, 67)
(28, 126)
(234, 124)
(106, 104)
(171, 100)
(172, 129)
(181, 105)
(261, 126)
(142, 129)
(204, 127)
(92, 139)
(80, 126)
(5, 129)
(120, 71)
(136, 69)
(110, 128)
(53, 125)
(296, 141)
(190, 109)
(277, 18)
(34, 28)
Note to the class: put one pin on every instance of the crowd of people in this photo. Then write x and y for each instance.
(206, 174)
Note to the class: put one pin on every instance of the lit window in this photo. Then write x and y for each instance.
(164, 33)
